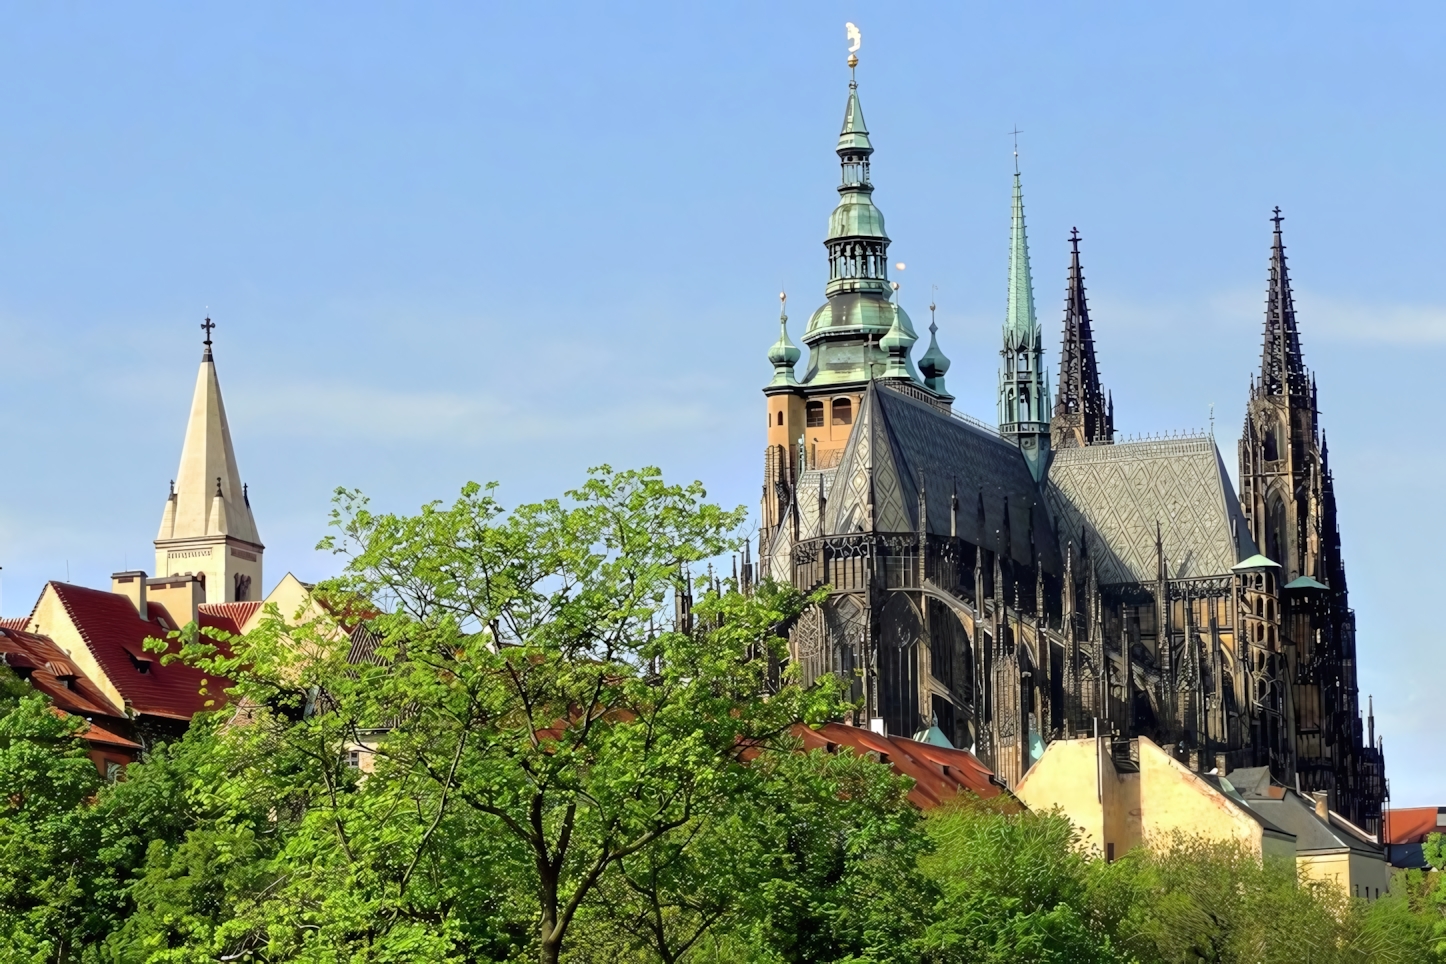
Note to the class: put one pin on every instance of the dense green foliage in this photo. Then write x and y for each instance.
(555, 771)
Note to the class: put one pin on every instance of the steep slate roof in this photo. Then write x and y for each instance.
(1118, 493)
(1312, 834)
(908, 444)
(939, 773)
(116, 636)
(46, 663)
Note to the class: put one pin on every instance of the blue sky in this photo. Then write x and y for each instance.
(453, 242)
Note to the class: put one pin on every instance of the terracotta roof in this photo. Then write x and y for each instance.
(1411, 825)
(939, 773)
(230, 616)
(116, 636)
(39, 658)
(107, 736)
(14, 622)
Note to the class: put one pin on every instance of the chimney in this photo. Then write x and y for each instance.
(1322, 806)
(132, 585)
(180, 595)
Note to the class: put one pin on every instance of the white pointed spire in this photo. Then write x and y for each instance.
(206, 525)
(208, 498)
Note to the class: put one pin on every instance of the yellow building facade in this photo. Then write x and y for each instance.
(1152, 800)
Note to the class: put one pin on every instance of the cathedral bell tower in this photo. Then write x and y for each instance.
(206, 526)
(859, 334)
(1280, 459)
(1023, 384)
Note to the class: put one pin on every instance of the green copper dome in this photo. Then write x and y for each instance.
(784, 354)
(934, 363)
(856, 217)
(857, 312)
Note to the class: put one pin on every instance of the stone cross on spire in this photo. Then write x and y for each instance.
(207, 326)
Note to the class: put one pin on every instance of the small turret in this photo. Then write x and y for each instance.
(897, 343)
(784, 354)
(934, 363)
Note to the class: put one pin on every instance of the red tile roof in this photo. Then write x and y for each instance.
(116, 636)
(1411, 825)
(939, 773)
(229, 616)
(106, 735)
(40, 659)
(14, 622)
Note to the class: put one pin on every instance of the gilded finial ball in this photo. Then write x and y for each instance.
(853, 60)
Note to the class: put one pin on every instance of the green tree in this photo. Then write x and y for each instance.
(544, 724)
(1013, 886)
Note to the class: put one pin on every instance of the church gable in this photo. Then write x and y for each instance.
(1119, 494)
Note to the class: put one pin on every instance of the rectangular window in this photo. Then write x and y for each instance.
(814, 415)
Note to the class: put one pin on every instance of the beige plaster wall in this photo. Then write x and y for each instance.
(1174, 800)
(1076, 777)
(220, 560)
(1065, 777)
(1331, 868)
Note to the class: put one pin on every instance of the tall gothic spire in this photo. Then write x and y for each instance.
(1082, 416)
(1282, 368)
(1019, 324)
(1023, 392)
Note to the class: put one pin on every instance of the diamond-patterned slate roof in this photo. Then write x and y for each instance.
(1117, 494)
(905, 444)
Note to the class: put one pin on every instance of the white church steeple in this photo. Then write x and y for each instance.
(206, 526)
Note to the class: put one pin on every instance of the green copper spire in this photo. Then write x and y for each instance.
(1020, 328)
(854, 138)
(897, 343)
(1024, 410)
(784, 354)
(844, 338)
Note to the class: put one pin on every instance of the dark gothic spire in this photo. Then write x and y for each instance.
(1081, 413)
(1282, 368)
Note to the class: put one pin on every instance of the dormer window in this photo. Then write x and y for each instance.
(63, 672)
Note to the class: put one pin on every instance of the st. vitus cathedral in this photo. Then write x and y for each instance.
(1001, 588)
